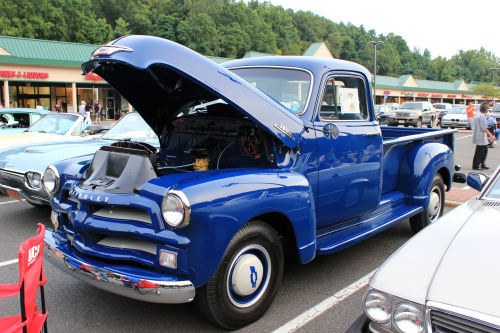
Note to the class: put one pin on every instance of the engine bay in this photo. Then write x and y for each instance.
(206, 137)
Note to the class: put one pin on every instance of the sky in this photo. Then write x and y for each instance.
(442, 26)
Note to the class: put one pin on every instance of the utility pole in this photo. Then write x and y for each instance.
(374, 43)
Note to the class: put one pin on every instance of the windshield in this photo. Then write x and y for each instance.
(54, 123)
(132, 126)
(439, 106)
(411, 106)
(494, 190)
(457, 111)
(496, 108)
(290, 87)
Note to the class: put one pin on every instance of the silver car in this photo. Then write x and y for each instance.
(444, 279)
(413, 114)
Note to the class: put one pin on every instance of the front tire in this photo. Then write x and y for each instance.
(419, 124)
(247, 279)
(434, 209)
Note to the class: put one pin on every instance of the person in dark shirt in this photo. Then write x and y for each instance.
(97, 111)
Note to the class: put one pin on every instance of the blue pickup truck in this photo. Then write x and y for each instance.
(259, 159)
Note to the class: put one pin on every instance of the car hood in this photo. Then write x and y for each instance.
(159, 78)
(452, 262)
(27, 138)
(407, 110)
(455, 116)
(38, 157)
(468, 272)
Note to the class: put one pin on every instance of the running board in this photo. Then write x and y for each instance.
(336, 240)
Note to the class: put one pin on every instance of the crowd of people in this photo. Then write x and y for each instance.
(86, 108)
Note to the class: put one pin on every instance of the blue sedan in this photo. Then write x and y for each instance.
(22, 168)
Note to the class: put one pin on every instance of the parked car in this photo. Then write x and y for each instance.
(21, 168)
(441, 110)
(495, 112)
(413, 114)
(291, 155)
(382, 114)
(391, 106)
(456, 118)
(49, 128)
(17, 120)
(444, 278)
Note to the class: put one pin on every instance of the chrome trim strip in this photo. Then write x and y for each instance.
(131, 286)
(473, 316)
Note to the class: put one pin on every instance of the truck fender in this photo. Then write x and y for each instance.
(222, 202)
(418, 167)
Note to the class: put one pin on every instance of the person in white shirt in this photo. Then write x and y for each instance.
(480, 134)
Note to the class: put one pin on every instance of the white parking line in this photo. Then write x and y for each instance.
(10, 262)
(12, 201)
(463, 137)
(322, 307)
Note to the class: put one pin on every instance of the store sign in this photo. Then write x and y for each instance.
(467, 96)
(423, 94)
(24, 75)
(387, 92)
(93, 77)
(452, 96)
(437, 95)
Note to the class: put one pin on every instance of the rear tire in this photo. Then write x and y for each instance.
(434, 209)
(247, 279)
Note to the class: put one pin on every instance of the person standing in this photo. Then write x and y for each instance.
(88, 109)
(97, 111)
(480, 136)
(471, 112)
(39, 106)
(58, 107)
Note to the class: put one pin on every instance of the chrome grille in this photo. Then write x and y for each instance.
(491, 203)
(448, 323)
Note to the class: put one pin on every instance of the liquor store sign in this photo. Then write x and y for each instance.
(24, 74)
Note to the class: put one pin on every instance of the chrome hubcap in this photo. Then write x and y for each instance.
(434, 208)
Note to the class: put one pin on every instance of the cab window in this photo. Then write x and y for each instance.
(344, 98)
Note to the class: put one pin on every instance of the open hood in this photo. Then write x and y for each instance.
(160, 78)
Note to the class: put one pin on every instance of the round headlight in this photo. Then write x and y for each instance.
(377, 307)
(34, 179)
(408, 318)
(176, 209)
(51, 180)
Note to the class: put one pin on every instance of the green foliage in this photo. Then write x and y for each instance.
(230, 28)
(486, 89)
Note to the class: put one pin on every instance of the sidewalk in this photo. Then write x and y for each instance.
(457, 196)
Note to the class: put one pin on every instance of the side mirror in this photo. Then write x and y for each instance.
(477, 180)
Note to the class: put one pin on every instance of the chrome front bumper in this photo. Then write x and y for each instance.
(130, 282)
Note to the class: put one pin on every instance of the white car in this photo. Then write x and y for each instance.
(456, 118)
(51, 127)
(444, 279)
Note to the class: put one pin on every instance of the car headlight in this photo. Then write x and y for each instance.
(51, 180)
(408, 318)
(34, 179)
(393, 114)
(176, 209)
(377, 306)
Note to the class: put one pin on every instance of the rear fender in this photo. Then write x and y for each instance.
(418, 167)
